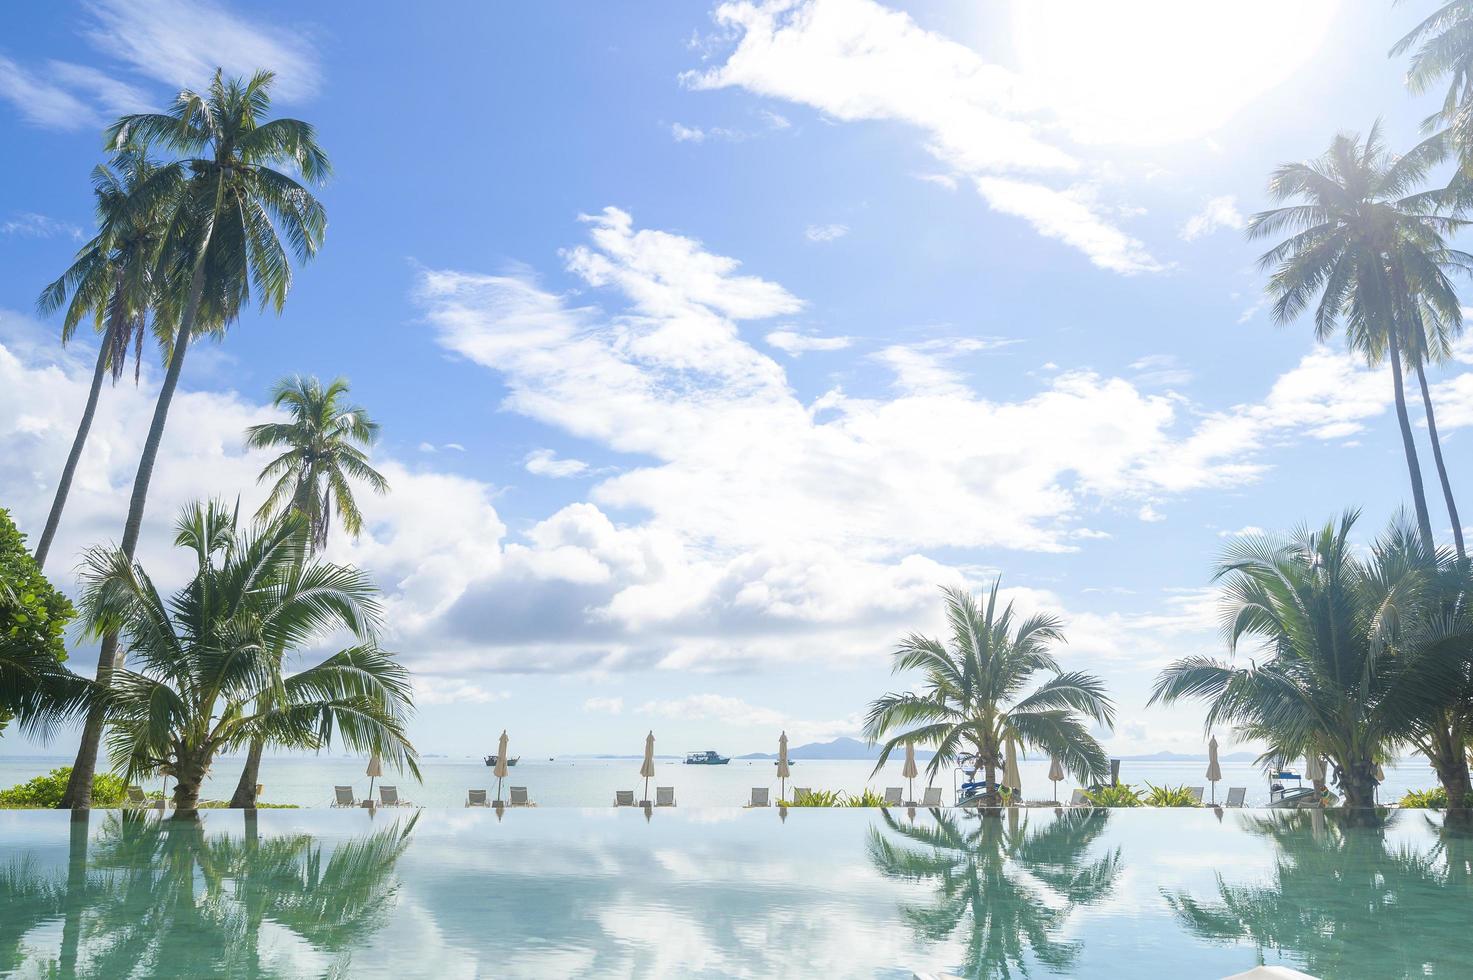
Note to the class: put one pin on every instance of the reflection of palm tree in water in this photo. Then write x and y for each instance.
(1013, 884)
(1344, 901)
(162, 896)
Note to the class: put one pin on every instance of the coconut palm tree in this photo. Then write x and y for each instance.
(1369, 250)
(324, 449)
(976, 701)
(1443, 45)
(209, 676)
(1353, 652)
(233, 218)
(112, 281)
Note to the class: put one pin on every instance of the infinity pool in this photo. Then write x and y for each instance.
(688, 892)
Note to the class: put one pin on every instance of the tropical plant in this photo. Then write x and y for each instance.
(1007, 885)
(1444, 51)
(324, 449)
(34, 684)
(233, 216)
(210, 676)
(1117, 795)
(1355, 652)
(817, 798)
(1372, 248)
(113, 281)
(44, 792)
(865, 797)
(1169, 796)
(1429, 799)
(975, 698)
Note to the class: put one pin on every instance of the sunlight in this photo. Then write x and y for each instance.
(1151, 72)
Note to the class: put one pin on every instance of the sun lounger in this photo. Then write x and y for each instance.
(932, 797)
(759, 796)
(1196, 792)
(343, 796)
(476, 797)
(1079, 799)
(519, 796)
(389, 796)
(801, 793)
(1236, 795)
(135, 798)
(624, 797)
(892, 795)
(664, 796)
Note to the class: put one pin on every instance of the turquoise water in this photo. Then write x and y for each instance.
(697, 893)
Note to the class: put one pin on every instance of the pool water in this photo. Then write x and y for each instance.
(708, 892)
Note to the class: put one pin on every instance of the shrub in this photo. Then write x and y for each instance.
(1168, 796)
(33, 615)
(45, 792)
(817, 797)
(1430, 799)
(1114, 796)
(867, 798)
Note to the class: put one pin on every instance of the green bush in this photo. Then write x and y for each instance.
(817, 797)
(1168, 796)
(867, 798)
(1114, 796)
(44, 792)
(33, 615)
(1430, 799)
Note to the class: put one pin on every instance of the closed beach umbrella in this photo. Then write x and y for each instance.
(1314, 769)
(910, 771)
(1055, 773)
(500, 771)
(1010, 775)
(1214, 771)
(375, 770)
(782, 766)
(1380, 775)
(647, 768)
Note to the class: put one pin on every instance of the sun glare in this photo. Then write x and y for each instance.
(1150, 72)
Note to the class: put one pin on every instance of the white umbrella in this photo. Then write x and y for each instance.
(1010, 776)
(909, 770)
(375, 769)
(1214, 771)
(1055, 773)
(1270, 973)
(782, 765)
(1380, 775)
(500, 771)
(1314, 768)
(647, 768)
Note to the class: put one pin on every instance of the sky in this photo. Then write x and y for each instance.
(710, 342)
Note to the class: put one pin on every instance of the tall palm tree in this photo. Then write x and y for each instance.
(1354, 652)
(1444, 50)
(1372, 249)
(111, 280)
(233, 218)
(975, 698)
(324, 449)
(209, 677)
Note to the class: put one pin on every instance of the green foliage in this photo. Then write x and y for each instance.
(817, 798)
(1168, 796)
(33, 620)
(44, 792)
(1122, 795)
(866, 798)
(1429, 799)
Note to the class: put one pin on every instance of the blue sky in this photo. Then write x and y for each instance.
(709, 341)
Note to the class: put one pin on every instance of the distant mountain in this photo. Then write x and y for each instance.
(839, 748)
(1180, 757)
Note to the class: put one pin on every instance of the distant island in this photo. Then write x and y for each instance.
(839, 748)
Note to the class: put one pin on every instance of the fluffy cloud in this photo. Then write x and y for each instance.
(1218, 213)
(796, 344)
(857, 60)
(545, 462)
(737, 713)
(31, 225)
(825, 233)
(429, 689)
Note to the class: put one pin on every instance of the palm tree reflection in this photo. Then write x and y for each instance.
(1344, 900)
(1009, 884)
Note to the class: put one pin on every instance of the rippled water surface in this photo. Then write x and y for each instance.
(707, 892)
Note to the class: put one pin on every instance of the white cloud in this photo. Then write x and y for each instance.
(28, 224)
(737, 713)
(1150, 514)
(1160, 370)
(429, 689)
(940, 180)
(1246, 531)
(545, 462)
(857, 60)
(44, 102)
(611, 706)
(796, 344)
(1218, 213)
(825, 233)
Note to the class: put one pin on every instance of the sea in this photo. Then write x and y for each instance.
(308, 781)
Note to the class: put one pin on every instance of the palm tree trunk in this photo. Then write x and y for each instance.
(245, 790)
(79, 788)
(63, 488)
(1358, 784)
(1414, 469)
(1447, 487)
(76, 893)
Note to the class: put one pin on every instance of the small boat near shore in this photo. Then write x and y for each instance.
(511, 761)
(707, 758)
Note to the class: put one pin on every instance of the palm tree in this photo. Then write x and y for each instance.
(209, 676)
(975, 703)
(233, 217)
(112, 281)
(1356, 652)
(322, 443)
(1372, 251)
(1444, 50)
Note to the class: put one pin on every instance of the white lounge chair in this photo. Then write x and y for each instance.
(1236, 795)
(389, 796)
(1196, 792)
(343, 796)
(624, 797)
(476, 797)
(759, 796)
(1079, 799)
(664, 796)
(801, 793)
(932, 797)
(135, 798)
(519, 796)
(893, 795)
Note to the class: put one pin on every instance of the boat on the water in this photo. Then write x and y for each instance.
(706, 758)
(511, 761)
